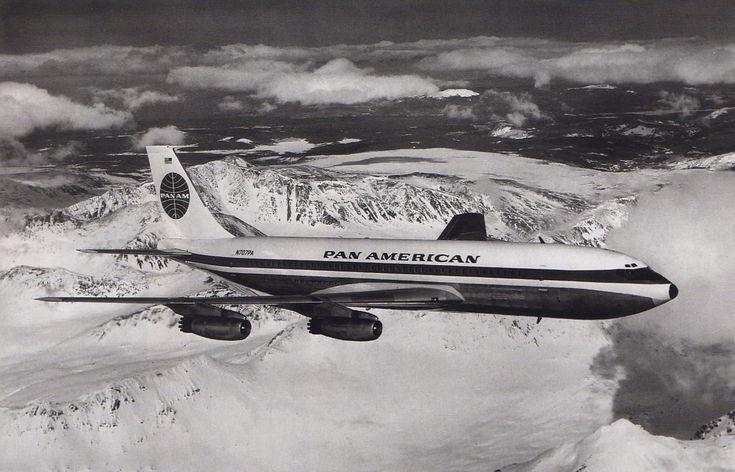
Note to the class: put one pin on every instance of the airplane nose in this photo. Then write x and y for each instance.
(673, 291)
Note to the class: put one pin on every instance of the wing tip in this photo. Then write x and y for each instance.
(50, 299)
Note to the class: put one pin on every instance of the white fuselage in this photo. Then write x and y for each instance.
(496, 277)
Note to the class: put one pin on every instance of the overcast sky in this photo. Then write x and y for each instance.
(38, 25)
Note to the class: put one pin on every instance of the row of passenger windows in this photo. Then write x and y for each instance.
(641, 274)
(387, 268)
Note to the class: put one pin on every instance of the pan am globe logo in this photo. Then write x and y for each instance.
(174, 195)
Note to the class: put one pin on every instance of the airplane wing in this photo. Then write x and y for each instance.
(411, 297)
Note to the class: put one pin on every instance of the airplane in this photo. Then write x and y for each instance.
(333, 281)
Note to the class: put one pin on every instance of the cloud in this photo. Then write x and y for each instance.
(25, 108)
(340, 81)
(246, 77)
(337, 81)
(459, 112)
(690, 61)
(234, 53)
(360, 73)
(170, 135)
(496, 59)
(230, 103)
(680, 103)
(61, 153)
(132, 98)
(266, 107)
(243, 67)
(515, 108)
(96, 60)
(670, 387)
(685, 232)
(14, 153)
(493, 105)
(677, 361)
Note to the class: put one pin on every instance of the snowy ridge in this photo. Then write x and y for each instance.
(278, 198)
(51, 188)
(151, 315)
(316, 197)
(284, 200)
(717, 113)
(127, 328)
(281, 387)
(722, 426)
(104, 407)
(459, 93)
(62, 280)
(111, 201)
(719, 162)
(623, 446)
(594, 224)
(509, 132)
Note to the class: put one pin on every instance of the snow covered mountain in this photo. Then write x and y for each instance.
(86, 384)
(722, 426)
(283, 398)
(625, 446)
(51, 187)
(343, 201)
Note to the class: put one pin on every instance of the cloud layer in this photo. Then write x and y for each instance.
(685, 232)
(264, 75)
(337, 81)
(170, 135)
(677, 359)
(692, 61)
(680, 103)
(95, 60)
(25, 108)
(493, 105)
(230, 104)
(14, 153)
(348, 74)
(132, 98)
(681, 60)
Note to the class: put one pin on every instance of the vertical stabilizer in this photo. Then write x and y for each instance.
(181, 205)
(466, 226)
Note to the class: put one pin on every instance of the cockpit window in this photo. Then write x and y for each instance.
(641, 274)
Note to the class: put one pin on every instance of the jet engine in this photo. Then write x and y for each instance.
(220, 328)
(347, 329)
(211, 322)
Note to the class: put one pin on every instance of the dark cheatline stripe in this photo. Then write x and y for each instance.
(554, 302)
(642, 275)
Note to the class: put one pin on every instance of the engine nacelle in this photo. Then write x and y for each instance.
(347, 329)
(220, 328)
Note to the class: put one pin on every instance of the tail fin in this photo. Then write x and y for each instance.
(182, 207)
(468, 226)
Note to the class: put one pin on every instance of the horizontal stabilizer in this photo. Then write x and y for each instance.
(467, 226)
(138, 252)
